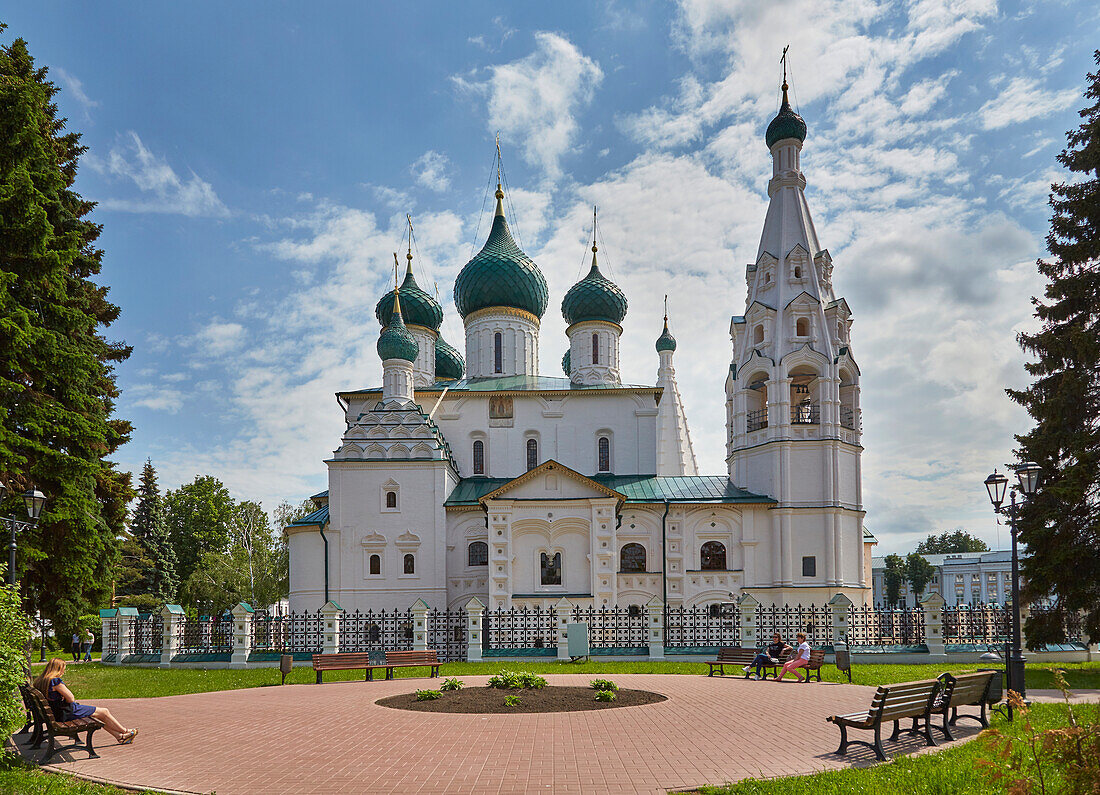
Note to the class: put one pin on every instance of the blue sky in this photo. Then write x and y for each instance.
(254, 161)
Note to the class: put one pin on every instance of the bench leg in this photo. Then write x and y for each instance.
(319, 677)
(897, 730)
(435, 672)
(881, 754)
(843, 749)
(88, 744)
(954, 715)
(50, 750)
(927, 733)
(389, 673)
(946, 727)
(370, 674)
(982, 718)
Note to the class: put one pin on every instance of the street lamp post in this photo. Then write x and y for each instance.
(33, 500)
(1028, 476)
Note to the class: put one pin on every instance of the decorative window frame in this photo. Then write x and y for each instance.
(373, 544)
(478, 436)
(390, 485)
(549, 552)
(605, 433)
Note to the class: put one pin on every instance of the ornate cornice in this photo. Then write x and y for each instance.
(508, 311)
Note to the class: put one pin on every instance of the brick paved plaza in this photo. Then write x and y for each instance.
(334, 739)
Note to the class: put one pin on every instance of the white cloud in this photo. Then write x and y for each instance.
(162, 189)
(218, 337)
(1023, 99)
(76, 88)
(430, 170)
(533, 101)
(155, 398)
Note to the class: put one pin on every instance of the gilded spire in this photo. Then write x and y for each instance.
(500, 193)
(409, 255)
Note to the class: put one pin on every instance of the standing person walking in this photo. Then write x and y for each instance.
(76, 646)
(89, 641)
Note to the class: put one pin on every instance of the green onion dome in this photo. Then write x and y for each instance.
(666, 342)
(567, 363)
(449, 365)
(395, 341)
(786, 124)
(595, 297)
(501, 274)
(419, 308)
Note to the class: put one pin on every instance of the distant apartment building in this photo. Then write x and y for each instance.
(960, 578)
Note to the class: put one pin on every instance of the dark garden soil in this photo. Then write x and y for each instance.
(473, 699)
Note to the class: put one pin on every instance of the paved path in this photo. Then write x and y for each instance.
(334, 739)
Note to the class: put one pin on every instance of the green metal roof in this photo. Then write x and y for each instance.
(417, 306)
(786, 124)
(636, 488)
(395, 341)
(595, 297)
(666, 342)
(449, 365)
(501, 275)
(517, 383)
(318, 517)
(567, 362)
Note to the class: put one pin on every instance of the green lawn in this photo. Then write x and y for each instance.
(19, 779)
(954, 770)
(90, 681)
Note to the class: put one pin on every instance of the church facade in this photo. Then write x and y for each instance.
(479, 476)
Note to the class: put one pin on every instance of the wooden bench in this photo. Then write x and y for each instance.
(891, 703)
(963, 690)
(44, 716)
(348, 661)
(817, 659)
(740, 657)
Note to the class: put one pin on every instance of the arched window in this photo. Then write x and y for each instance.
(595, 349)
(532, 453)
(798, 271)
(758, 334)
(604, 454)
(712, 555)
(477, 554)
(375, 564)
(409, 563)
(498, 353)
(391, 499)
(632, 558)
(479, 457)
(802, 327)
(551, 569)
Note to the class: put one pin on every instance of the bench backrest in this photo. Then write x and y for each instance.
(45, 712)
(817, 658)
(906, 699)
(345, 660)
(428, 657)
(734, 654)
(967, 688)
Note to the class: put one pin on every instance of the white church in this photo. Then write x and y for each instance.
(485, 477)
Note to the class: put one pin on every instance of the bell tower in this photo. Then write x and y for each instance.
(792, 396)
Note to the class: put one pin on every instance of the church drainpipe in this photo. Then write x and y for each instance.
(325, 540)
(664, 570)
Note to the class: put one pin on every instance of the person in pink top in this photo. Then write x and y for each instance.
(800, 659)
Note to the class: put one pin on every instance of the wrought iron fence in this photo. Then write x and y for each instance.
(205, 635)
(146, 634)
(447, 634)
(702, 625)
(787, 621)
(1072, 622)
(976, 624)
(877, 626)
(755, 420)
(376, 630)
(613, 627)
(520, 628)
(110, 643)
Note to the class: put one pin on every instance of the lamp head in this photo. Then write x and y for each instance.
(1028, 474)
(3, 491)
(996, 484)
(34, 500)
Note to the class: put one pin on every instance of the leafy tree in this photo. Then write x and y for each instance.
(149, 530)
(1060, 526)
(286, 513)
(893, 575)
(15, 638)
(957, 540)
(919, 572)
(197, 515)
(57, 380)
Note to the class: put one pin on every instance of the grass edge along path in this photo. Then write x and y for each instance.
(21, 778)
(953, 770)
(91, 681)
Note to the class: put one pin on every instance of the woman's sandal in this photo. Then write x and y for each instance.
(128, 737)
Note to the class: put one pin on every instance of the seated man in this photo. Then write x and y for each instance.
(770, 656)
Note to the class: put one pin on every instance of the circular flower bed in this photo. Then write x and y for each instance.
(472, 700)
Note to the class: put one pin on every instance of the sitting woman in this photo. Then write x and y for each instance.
(769, 657)
(65, 706)
(800, 659)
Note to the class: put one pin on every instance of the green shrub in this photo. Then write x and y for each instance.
(511, 701)
(428, 695)
(604, 684)
(605, 695)
(15, 635)
(517, 680)
(451, 683)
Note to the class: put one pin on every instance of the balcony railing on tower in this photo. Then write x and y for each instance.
(756, 420)
(806, 414)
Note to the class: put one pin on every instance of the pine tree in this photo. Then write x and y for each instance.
(150, 531)
(1060, 526)
(57, 383)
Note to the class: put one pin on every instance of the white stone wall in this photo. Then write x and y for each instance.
(582, 369)
(424, 366)
(519, 336)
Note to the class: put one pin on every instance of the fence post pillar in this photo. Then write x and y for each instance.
(126, 618)
(931, 605)
(107, 619)
(564, 612)
(331, 617)
(420, 625)
(242, 635)
(746, 615)
(475, 612)
(171, 616)
(839, 606)
(655, 615)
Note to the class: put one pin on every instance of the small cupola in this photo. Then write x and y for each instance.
(666, 342)
(397, 349)
(786, 124)
(595, 297)
(594, 307)
(449, 365)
